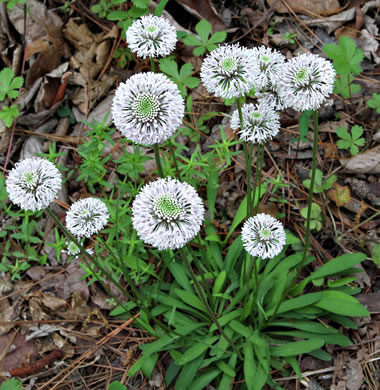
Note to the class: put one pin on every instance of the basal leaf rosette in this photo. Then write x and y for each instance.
(148, 108)
(230, 71)
(260, 122)
(151, 36)
(263, 236)
(306, 83)
(87, 217)
(33, 183)
(167, 213)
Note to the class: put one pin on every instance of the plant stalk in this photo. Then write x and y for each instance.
(172, 153)
(247, 162)
(152, 65)
(158, 160)
(311, 189)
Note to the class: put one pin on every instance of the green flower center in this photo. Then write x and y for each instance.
(167, 207)
(265, 58)
(228, 64)
(146, 107)
(151, 29)
(265, 234)
(302, 76)
(30, 179)
(255, 115)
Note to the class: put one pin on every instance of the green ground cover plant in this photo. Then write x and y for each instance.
(224, 309)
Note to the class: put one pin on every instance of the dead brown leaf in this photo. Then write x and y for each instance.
(363, 163)
(203, 9)
(319, 7)
(19, 351)
(6, 314)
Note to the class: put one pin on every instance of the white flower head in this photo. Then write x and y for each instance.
(230, 71)
(167, 213)
(148, 108)
(263, 236)
(151, 36)
(87, 217)
(260, 122)
(271, 98)
(33, 183)
(271, 63)
(306, 82)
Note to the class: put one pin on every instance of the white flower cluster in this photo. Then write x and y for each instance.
(306, 83)
(33, 183)
(303, 83)
(87, 217)
(263, 236)
(151, 36)
(230, 71)
(271, 63)
(260, 122)
(148, 108)
(167, 213)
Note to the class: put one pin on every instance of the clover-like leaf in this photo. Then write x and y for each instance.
(375, 102)
(9, 84)
(8, 114)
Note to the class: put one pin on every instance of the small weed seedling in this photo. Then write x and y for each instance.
(316, 217)
(320, 186)
(347, 58)
(289, 37)
(203, 29)
(350, 141)
(375, 102)
(9, 87)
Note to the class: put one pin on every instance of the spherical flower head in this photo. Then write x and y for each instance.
(263, 236)
(33, 183)
(271, 98)
(167, 213)
(87, 217)
(230, 71)
(306, 82)
(151, 36)
(148, 108)
(271, 63)
(261, 122)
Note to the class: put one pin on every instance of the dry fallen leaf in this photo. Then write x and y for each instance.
(203, 9)
(306, 6)
(364, 163)
(19, 351)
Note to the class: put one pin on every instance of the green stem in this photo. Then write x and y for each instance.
(311, 189)
(172, 153)
(247, 162)
(308, 217)
(152, 65)
(158, 160)
(260, 168)
(200, 292)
